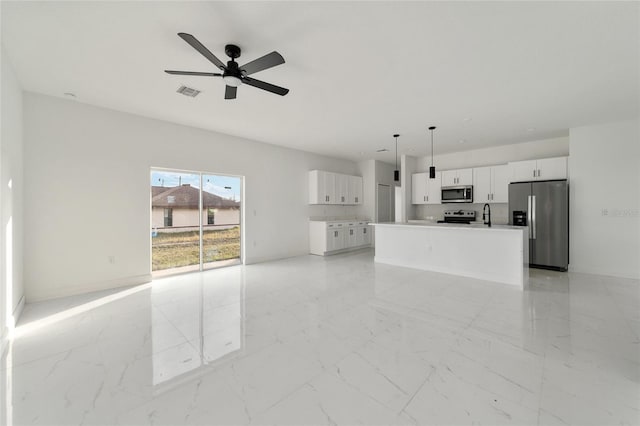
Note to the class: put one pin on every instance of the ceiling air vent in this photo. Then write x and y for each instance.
(188, 91)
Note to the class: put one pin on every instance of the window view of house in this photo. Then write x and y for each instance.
(176, 221)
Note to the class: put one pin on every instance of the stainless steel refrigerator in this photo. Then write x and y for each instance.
(544, 208)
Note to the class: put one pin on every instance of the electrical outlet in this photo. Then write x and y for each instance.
(254, 243)
(112, 259)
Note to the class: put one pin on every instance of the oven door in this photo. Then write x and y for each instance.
(457, 194)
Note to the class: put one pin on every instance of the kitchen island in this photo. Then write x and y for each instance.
(498, 253)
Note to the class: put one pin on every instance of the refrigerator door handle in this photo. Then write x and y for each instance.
(533, 216)
(529, 216)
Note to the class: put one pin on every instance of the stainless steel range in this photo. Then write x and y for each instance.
(459, 216)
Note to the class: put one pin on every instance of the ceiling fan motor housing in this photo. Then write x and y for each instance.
(232, 51)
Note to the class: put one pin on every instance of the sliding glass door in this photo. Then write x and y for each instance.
(195, 221)
(221, 220)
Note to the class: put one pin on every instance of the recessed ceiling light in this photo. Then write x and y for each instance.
(466, 120)
(383, 150)
(462, 141)
(70, 95)
(530, 129)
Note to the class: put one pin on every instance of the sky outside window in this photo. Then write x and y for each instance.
(223, 186)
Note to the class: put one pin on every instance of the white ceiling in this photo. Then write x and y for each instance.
(358, 71)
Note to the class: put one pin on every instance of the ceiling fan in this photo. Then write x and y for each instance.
(233, 74)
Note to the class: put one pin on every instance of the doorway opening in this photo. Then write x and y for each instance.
(196, 221)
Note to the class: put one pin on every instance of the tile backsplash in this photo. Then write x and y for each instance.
(499, 212)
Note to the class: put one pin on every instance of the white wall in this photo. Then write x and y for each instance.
(605, 178)
(367, 169)
(11, 196)
(546, 148)
(409, 167)
(87, 192)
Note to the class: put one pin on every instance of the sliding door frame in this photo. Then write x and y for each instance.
(200, 206)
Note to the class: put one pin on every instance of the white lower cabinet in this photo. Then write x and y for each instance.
(364, 233)
(352, 237)
(329, 237)
(335, 239)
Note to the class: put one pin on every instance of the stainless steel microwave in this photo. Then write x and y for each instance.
(457, 194)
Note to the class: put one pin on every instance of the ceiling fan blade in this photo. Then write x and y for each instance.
(206, 74)
(230, 92)
(203, 50)
(267, 61)
(265, 86)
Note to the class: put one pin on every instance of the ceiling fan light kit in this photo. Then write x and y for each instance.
(233, 74)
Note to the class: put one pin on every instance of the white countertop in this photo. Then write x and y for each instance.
(472, 227)
(331, 220)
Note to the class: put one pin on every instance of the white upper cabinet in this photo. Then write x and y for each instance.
(449, 177)
(457, 177)
(334, 188)
(543, 169)
(425, 190)
(419, 188)
(522, 171)
(482, 185)
(500, 184)
(434, 189)
(491, 184)
(342, 189)
(321, 187)
(552, 168)
(355, 190)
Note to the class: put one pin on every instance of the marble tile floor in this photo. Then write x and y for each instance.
(336, 340)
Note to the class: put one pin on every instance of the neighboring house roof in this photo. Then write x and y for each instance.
(186, 196)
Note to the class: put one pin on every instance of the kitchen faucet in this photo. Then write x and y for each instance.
(485, 216)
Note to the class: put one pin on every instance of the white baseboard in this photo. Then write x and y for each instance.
(593, 271)
(40, 296)
(17, 311)
(4, 336)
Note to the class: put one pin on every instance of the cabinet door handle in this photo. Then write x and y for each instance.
(427, 198)
(534, 173)
(488, 197)
(538, 172)
(424, 198)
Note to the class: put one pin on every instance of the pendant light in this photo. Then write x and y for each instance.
(432, 169)
(396, 172)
